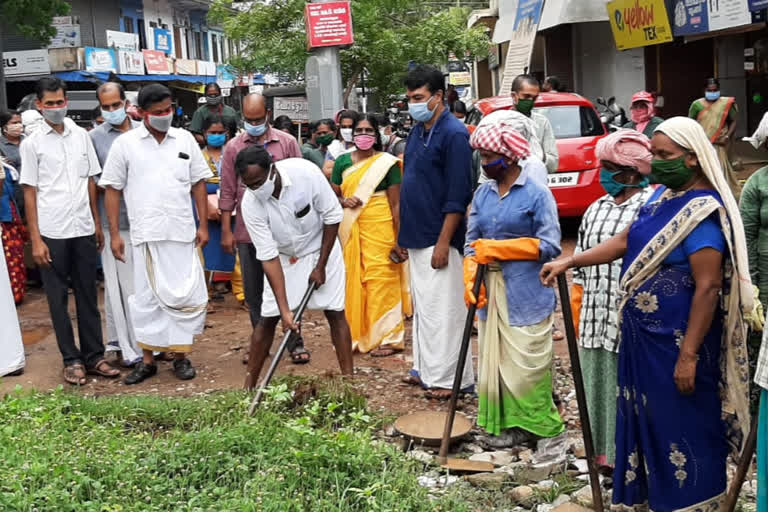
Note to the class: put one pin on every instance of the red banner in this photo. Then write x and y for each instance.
(328, 24)
(155, 62)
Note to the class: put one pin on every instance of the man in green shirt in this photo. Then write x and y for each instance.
(214, 104)
(321, 134)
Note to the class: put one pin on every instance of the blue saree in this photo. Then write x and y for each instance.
(671, 448)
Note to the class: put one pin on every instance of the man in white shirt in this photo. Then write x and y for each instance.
(525, 91)
(157, 167)
(293, 216)
(58, 166)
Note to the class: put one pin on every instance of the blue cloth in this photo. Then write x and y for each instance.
(670, 448)
(527, 210)
(437, 180)
(7, 197)
(762, 452)
(216, 259)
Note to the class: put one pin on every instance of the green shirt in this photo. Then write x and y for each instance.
(312, 153)
(754, 214)
(201, 114)
(344, 161)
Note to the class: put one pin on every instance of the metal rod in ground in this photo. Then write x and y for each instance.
(581, 397)
(741, 470)
(281, 349)
(446, 441)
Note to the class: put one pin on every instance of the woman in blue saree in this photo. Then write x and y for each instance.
(685, 288)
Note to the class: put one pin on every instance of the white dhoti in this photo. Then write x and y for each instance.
(170, 300)
(118, 287)
(439, 314)
(329, 297)
(11, 345)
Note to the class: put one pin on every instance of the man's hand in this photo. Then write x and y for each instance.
(99, 238)
(440, 256)
(41, 254)
(228, 241)
(685, 374)
(118, 247)
(201, 239)
(288, 323)
(317, 276)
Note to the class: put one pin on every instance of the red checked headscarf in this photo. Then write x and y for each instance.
(500, 138)
(627, 148)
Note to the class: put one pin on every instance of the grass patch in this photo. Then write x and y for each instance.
(308, 450)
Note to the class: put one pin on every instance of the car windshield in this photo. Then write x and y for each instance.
(571, 121)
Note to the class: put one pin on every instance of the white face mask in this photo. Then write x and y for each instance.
(14, 129)
(346, 134)
(267, 188)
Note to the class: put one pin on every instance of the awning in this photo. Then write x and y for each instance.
(486, 16)
(90, 76)
(559, 12)
(505, 27)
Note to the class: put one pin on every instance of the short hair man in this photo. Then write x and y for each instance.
(434, 195)
(279, 145)
(157, 167)
(118, 275)
(292, 215)
(525, 91)
(321, 135)
(214, 104)
(58, 164)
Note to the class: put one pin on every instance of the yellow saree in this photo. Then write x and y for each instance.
(375, 292)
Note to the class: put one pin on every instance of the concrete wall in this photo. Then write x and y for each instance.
(601, 70)
(159, 12)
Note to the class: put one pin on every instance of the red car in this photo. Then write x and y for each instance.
(577, 127)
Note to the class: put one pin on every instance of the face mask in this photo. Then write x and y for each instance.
(324, 140)
(364, 142)
(420, 111)
(671, 173)
(640, 115)
(346, 134)
(495, 170)
(115, 118)
(160, 123)
(214, 101)
(216, 140)
(524, 106)
(712, 95)
(384, 139)
(267, 188)
(613, 187)
(255, 130)
(54, 115)
(14, 130)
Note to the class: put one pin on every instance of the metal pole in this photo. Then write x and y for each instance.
(581, 397)
(446, 441)
(280, 350)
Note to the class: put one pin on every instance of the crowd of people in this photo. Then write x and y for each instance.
(383, 229)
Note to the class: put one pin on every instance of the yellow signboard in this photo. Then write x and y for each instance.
(637, 23)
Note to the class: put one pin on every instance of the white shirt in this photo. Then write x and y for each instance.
(293, 224)
(60, 167)
(156, 179)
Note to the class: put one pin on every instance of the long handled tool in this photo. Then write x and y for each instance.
(279, 354)
(581, 397)
(446, 441)
(741, 470)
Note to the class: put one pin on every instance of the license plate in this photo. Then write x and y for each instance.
(563, 179)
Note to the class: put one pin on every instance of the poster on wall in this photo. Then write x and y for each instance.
(162, 40)
(130, 63)
(328, 24)
(186, 67)
(67, 36)
(728, 13)
(295, 107)
(154, 61)
(691, 17)
(225, 76)
(123, 40)
(518, 60)
(100, 59)
(29, 62)
(637, 23)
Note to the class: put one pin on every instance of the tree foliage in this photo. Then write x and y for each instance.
(388, 35)
(33, 17)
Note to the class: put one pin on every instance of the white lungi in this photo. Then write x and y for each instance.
(169, 305)
(329, 297)
(439, 314)
(118, 287)
(11, 345)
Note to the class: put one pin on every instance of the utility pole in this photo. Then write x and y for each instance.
(323, 81)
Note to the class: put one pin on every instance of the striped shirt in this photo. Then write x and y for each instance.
(598, 324)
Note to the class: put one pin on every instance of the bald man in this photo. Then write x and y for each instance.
(280, 145)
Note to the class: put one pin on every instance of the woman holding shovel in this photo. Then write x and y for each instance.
(513, 228)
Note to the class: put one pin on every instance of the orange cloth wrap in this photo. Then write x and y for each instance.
(577, 294)
(488, 250)
(470, 273)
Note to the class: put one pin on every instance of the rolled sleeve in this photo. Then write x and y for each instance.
(325, 201)
(115, 172)
(546, 226)
(29, 169)
(94, 168)
(458, 173)
(256, 221)
(228, 187)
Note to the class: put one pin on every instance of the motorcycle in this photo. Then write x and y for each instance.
(612, 115)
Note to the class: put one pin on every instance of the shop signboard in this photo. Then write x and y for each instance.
(460, 78)
(295, 107)
(527, 17)
(225, 76)
(637, 23)
(758, 5)
(67, 36)
(186, 67)
(130, 63)
(154, 61)
(29, 62)
(123, 40)
(162, 40)
(100, 59)
(328, 24)
(206, 68)
(690, 17)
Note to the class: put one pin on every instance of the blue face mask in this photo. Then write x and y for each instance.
(420, 111)
(115, 118)
(712, 95)
(255, 130)
(613, 187)
(216, 140)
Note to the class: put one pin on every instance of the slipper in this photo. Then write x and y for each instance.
(438, 393)
(102, 368)
(413, 380)
(75, 374)
(300, 355)
(558, 335)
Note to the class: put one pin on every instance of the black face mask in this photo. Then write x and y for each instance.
(214, 101)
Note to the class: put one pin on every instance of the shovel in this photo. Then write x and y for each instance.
(741, 470)
(276, 360)
(581, 397)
